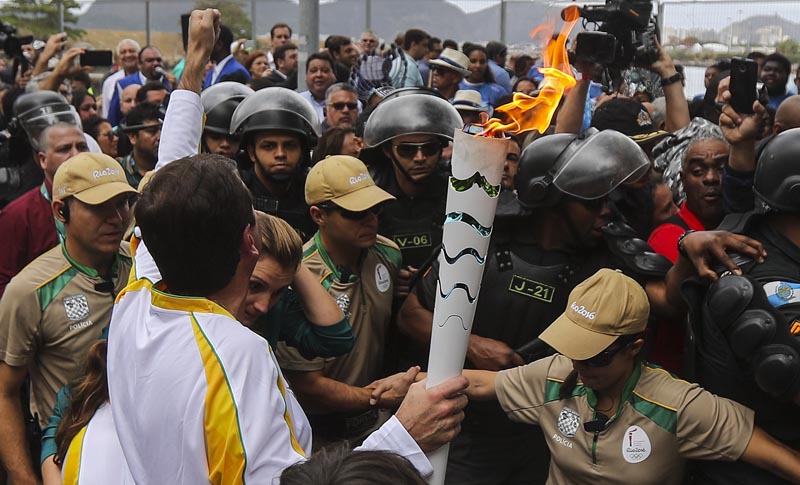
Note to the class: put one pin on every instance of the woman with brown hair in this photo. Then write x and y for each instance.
(257, 64)
(303, 315)
(86, 430)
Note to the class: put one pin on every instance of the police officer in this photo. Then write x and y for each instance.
(560, 236)
(409, 130)
(747, 327)
(219, 102)
(278, 128)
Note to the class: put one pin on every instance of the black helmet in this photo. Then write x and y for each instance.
(587, 166)
(411, 114)
(777, 178)
(33, 112)
(276, 109)
(219, 102)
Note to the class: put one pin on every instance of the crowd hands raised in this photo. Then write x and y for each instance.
(295, 261)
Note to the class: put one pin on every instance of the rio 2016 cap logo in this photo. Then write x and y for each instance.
(360, 178)
(582, 311)
(106, 172)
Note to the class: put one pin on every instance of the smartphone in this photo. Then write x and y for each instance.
(597, 47)
(744, 75)
(97, 58)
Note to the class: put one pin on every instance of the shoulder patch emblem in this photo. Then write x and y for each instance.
(343, 302)
(568, 422)
(636, 445)
(383, 279)
(76, 307)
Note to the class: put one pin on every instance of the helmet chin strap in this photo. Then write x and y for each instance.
(405, 173)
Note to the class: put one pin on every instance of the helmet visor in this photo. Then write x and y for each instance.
(596, 163)
(36, 120)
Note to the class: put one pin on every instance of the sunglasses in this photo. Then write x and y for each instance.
(353, 215)
(409, 150)
(605, 357)
(340, 106)
(151, 130)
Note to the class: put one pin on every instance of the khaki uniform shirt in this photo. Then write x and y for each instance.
(50, 314)
(661, 422)
(365, 299)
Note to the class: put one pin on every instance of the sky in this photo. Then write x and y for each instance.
(703, 14)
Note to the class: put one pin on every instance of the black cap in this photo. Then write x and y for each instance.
(629, 117)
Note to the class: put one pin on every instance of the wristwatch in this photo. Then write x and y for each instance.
(671, 80)
(681, 249)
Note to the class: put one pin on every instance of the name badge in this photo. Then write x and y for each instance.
(532, 289)
(410, 241)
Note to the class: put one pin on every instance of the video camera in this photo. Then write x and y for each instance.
(15, 168)
(626, 35)
(10, 42)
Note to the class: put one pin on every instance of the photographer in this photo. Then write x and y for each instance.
(624, 56)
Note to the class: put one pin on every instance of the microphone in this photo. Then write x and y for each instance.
(597, 425)
(104, 287)
(160, 71)
(345, 274)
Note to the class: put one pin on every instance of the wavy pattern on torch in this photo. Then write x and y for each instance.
(469, 220)
(461, 185)
(466, 251)
(455, 287)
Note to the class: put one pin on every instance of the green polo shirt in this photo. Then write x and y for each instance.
(365, 299)
(51, 312)
(661, 422)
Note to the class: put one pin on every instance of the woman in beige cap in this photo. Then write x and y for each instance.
(607, 416)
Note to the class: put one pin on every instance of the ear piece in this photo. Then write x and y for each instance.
(64, 213)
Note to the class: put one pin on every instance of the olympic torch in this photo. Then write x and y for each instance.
(477, 169)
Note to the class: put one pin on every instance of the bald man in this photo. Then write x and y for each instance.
(788, 114)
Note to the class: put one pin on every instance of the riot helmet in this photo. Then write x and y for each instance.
(33, 112)
(777, 178)
(415, 113)
(276, 108)
(219, 103)
(587, 166)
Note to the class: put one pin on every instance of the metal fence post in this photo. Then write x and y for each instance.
(308, 37)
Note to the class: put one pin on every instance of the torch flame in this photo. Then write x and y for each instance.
(535, 113)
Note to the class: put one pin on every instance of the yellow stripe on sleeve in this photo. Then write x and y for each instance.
(227, 458)
(72, 462)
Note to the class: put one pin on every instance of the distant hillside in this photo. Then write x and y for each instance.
(345, 17)
(751, 24)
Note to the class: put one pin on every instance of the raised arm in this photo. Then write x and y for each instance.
(677, 107)
(183, 123)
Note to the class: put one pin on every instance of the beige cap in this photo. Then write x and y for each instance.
(453, 59)
(346, 182)
(469, 100)
(92, 178)
(600, 309)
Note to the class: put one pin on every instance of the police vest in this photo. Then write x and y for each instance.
(291, 208)
(734, 304)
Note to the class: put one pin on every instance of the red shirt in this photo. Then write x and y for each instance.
(668, 341)
(27, 230)
(664, 239)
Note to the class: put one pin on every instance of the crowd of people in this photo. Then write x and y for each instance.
(212, 274)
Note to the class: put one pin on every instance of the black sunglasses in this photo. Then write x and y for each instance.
(409, 150)
(353, 215)
(340, 106)
(605, 357)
